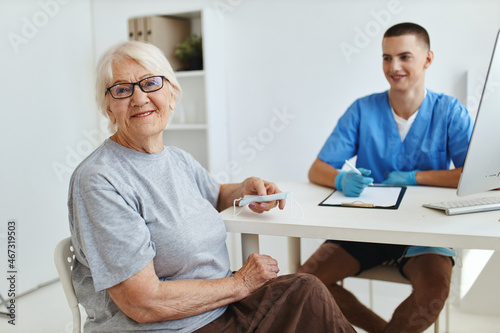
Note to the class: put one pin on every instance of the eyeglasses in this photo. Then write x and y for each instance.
(147, 85)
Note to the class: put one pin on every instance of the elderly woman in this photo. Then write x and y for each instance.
(149, 241)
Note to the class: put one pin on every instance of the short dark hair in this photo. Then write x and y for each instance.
(408, 28)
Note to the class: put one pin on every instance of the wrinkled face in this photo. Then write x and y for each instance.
(405, 59)
(142, 115)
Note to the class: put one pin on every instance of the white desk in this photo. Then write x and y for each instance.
(410, 224)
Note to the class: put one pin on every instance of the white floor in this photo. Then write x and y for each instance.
(46, 311)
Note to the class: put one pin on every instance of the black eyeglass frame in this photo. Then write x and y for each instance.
(133, 86)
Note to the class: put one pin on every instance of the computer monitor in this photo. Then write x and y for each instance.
(481, 171)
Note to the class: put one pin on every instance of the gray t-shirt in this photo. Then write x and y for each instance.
(127, 208)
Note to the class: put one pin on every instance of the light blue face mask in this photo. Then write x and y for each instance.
(247, 199)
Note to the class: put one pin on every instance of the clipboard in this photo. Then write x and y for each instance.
(374, 196)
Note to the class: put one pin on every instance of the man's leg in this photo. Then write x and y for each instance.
(330, 263)
(430, 276)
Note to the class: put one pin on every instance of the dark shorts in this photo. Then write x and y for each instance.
(370, 255)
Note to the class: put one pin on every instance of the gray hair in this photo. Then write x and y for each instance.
(147, 55)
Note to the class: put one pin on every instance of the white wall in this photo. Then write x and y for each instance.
(287, 84)
(47, 102)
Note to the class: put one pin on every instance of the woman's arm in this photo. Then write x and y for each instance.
(144, 298)
(254, 186)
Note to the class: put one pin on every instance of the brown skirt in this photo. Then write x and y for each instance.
(289, 303)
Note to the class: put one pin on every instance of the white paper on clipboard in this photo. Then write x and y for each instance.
(378, 196)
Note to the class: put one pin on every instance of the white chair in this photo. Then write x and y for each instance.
(64, 258)
(392, 274)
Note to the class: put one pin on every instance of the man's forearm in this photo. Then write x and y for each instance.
(322, 173)
(441, 178)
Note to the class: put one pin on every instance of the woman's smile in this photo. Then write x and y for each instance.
(143, 114)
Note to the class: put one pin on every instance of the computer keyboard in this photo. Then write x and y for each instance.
(466, 206)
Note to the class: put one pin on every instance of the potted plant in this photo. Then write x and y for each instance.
(190, 53)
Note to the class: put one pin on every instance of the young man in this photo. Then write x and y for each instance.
(405, 136)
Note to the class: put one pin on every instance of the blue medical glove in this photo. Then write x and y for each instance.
(401, 178)
(351, 183)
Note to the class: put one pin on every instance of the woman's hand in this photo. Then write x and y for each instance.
(257, 270)
(257, 186)
(250, 186)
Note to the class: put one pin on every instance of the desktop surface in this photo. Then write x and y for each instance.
(410, 224)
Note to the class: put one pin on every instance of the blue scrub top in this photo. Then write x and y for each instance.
(439, 134)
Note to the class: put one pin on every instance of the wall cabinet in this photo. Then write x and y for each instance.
(199, 123)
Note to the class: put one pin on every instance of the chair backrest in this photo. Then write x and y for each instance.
(64, 258)
(384, 273)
